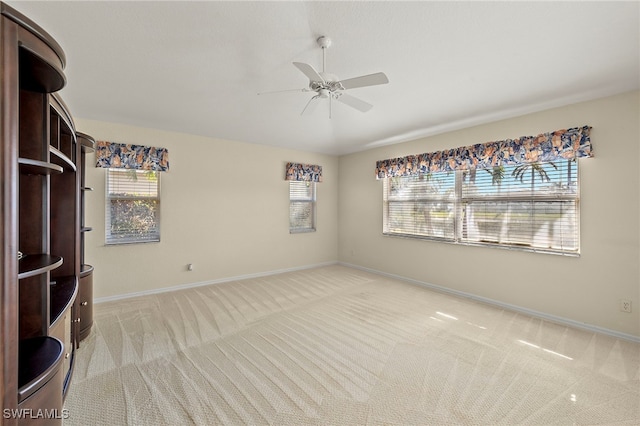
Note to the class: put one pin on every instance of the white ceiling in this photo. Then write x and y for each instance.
(197, 67)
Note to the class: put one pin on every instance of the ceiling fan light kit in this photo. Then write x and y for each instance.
(328, 86)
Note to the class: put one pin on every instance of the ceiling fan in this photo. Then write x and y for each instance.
(328, 86)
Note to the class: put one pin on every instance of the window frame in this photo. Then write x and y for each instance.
(311, 200)
(109, 239)
(461, 203)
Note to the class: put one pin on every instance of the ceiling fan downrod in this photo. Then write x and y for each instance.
(324, 42)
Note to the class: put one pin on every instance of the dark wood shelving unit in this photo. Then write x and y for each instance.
(85, 293)
(41, 176)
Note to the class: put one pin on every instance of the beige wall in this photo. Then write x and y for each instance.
(199, 225)
(224, 208)
(585, 289)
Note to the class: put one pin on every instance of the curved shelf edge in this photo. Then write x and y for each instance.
(85, 270)
(35, 264)
(86, 142)
(37, 167)
(45, 76)
(35, 29)
(63, 161)
(40, 359)
(46, 68)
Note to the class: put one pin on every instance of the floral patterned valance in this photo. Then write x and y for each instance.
(126, 156)
(561, 144)
(304, 172)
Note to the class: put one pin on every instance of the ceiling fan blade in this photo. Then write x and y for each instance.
(354, 102)
(365, 80)
(309, 71)
(283, 91)
(310, 106)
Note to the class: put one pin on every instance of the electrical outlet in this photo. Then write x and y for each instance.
(625, 305)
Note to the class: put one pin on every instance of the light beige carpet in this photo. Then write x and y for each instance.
(339, 346)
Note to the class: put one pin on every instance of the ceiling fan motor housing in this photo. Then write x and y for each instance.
(324, 42)
(330, 83)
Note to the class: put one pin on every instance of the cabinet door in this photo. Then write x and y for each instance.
(85, 302)
(62, 331)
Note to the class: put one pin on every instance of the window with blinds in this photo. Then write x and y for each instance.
(132, 206)
(302, 206)
(531, 206)
(420, 205)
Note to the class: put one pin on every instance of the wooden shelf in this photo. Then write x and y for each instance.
(59, 158)
(85, 270)
(47, 76)
(38, 72)
(87, 143)
(62, 293)
(35, 264)
(36, 167)
(39, 360)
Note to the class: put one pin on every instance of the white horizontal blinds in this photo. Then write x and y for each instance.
(540, 180)
(420, 205)
(132, 183)
(302, 197)
(545, 225)
(133, 206)
(533, 205)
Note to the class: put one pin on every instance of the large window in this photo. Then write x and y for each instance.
(132, 207)
(530, 206)
(302, 206)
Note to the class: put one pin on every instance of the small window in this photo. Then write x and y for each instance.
(132, 206)
(302, 206)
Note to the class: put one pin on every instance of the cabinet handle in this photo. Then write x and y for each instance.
(66, 356)
(84, 303)
(76, 320)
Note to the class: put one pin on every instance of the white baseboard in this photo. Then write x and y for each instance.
(515, 308)
(210, 282)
